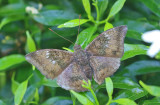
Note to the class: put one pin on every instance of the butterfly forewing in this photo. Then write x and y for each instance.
(109, 43)
(106, 51)
(50, 62)
(71, 78)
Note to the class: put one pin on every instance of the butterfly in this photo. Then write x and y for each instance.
(100, 59)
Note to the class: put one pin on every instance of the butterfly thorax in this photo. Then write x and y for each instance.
(80, 55)
(82, 58)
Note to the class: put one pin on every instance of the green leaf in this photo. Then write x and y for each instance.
(102, 5)
(67, 49)
(154, 101)
(81, 98)
(73, 99)
(53, 100)
(125, 101)
(3, 79)
(54, 17)
(2, 103)
(30, 43)
(9, 19)
(108, 26)
(109, 86)
(153, 6)
(124, 82)
(85, 36)
(140, 68)
(15, 84)
(131, 50)
(20, 92)
(132, 94)
(87, 8)
(134, 34)
(73, 23)
(153, 90)
(29, 94)
(36, 96)
(116, 8)
(10, 60)
(12, 9)
(48, 82)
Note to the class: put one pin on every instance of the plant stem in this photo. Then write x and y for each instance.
(94, 95)
(109, 101)
(95, 3)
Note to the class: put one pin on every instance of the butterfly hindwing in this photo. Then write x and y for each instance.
(104, 67)
(50, 62)
(109, 43)
(71, 78)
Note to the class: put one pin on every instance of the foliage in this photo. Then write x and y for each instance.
(24, 28)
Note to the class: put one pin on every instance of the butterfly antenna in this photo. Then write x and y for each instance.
(60, 36)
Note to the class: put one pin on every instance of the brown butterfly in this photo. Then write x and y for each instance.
(100, 59)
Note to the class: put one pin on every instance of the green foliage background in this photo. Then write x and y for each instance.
(23, 31)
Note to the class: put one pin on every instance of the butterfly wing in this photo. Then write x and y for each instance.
(104, 67)
(72, 78)
(106, 51)
(50, 62)
(109, 43)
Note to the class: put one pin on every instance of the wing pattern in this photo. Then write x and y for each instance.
(50, 62)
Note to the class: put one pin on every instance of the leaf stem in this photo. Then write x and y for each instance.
(95, 3)
(94, 95)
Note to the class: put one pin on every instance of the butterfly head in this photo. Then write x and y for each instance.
(77, 47)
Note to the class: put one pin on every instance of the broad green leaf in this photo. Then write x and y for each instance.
(131, 50)
(154, 101)
(2, 103)
(141, 67)
(116, 7)
(125, 101)
(73, 23)
(124, 83)
(54, 17)
(141, 26)
(134, 34)
(3, 79)
(73, 98)
(132, 94)
(15, 84)
(9, 19)
(53, 100)
(14, 1)
(102, 5)
(12, 9)
(109, 86)
(10, 60)
(85, 36)
(108, 26)
(48, 82)
(90, 96)
(81, 98)
(153, 6)
(29, 94)
(87, 8)
(30, 43)
(20, 92)
(121, 83)
(153, 90)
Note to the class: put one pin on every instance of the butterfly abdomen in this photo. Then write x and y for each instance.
(82, 58)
